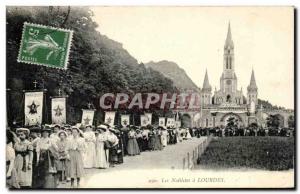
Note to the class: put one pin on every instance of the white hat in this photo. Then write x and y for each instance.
(23, 129)
(62, 131)
(102, 127)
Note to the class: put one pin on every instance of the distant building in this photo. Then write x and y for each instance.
(228, 101)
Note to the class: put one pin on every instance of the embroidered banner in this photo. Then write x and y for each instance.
(87, 117)
(33, 108)
(110, 118)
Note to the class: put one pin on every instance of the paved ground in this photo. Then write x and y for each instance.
(171, 157)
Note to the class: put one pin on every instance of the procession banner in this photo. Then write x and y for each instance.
(162, 121)
(87, 117)
(125, 120)
(170, 122)
(110, 118)
(149, 116)
(33, 108)
(58, 110)
(144, 120)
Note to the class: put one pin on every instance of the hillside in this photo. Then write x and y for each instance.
(172, 70)
(97, 64)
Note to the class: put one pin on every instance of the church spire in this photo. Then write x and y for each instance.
(228, 42)
(206, 85)
(252, 81)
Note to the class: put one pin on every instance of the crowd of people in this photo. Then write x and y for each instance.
(42, 157)
(243, 131)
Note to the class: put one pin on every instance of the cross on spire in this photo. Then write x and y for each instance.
(35, 83)
(89, 105)
(59, 91)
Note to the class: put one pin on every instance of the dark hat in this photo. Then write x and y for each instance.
(67, 126)
(56, 125)
(35, 129)
(46, 128)
(68, 129)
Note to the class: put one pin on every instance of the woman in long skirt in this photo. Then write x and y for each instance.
(120, 147)
(145, 145)
(139, 139)
(46, 154)
(11, 174)
(90, 155)
(76, 149)
(35, 133)
(63, 156)
(101, 153)
(113, 148)
(132, 146)
(158, 144)
(164, 137)
(23, 160)
(152, 139)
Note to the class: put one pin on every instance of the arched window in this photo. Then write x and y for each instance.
(226, 63)
(228, 98)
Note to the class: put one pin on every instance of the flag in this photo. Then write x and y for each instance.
(144, 120)
(33, 108)
(161, 121)
(170, 122)
(87, 117)
(125, 120)
(110, 118)
(149, 117)
(58, 110)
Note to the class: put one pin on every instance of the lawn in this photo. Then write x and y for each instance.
(268, 153)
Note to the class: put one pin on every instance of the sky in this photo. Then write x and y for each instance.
(194, 37)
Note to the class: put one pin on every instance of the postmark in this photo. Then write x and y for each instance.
(45, 45)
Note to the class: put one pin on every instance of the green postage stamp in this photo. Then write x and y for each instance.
(45, 45)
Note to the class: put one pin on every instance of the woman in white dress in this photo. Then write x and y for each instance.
(164, 136)
(102, 154)
(76, 148)
(89, 158)
(23, 160)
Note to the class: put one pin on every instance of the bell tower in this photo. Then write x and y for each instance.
(228, 81)
(252, 91)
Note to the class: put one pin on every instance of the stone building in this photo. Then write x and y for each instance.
(228, 101)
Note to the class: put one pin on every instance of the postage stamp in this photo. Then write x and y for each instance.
(45, 45)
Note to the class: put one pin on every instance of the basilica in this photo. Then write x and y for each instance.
(219, 105)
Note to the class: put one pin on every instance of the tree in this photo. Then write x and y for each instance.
(273, 121)
(97, 64)
(291, 121)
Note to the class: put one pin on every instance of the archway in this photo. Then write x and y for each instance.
(232, 117)
(228, 98)
(186, 120)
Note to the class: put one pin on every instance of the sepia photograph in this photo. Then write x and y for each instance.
(150, 97)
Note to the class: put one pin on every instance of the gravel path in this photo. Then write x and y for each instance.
(171, 157)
